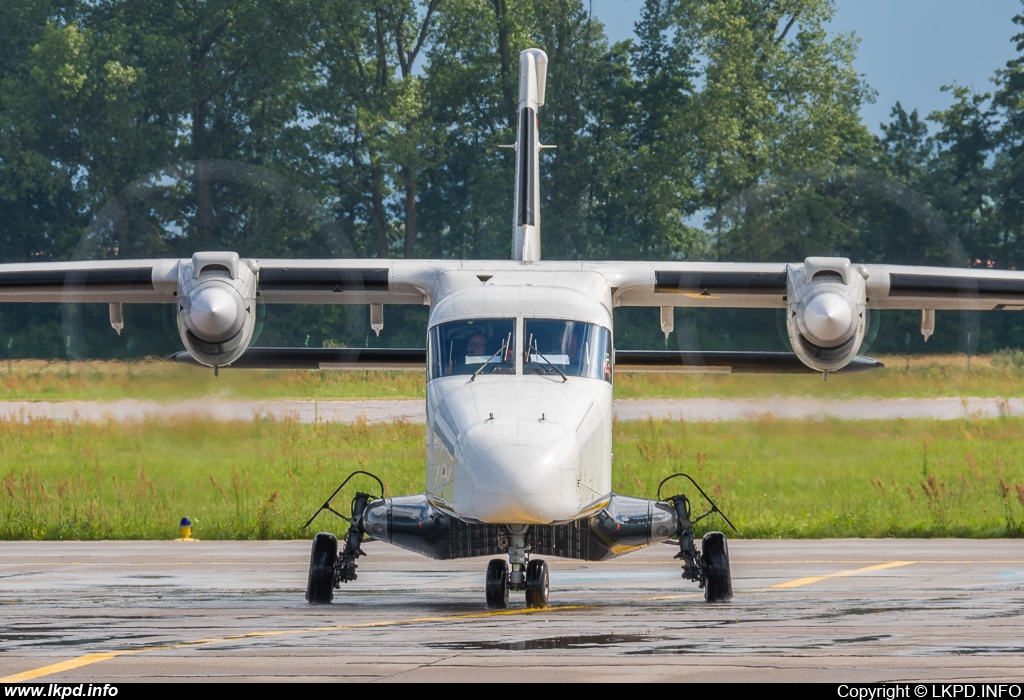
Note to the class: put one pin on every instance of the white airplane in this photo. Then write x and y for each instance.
(519, 363)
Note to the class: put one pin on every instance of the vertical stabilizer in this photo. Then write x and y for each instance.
(533, 65)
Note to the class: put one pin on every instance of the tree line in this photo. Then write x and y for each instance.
(726, 130)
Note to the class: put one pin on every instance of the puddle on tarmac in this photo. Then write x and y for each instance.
(722, 647)
(978, 651)
(1016, 612)
(832, 614)
(566, 642)
(146, 576)
(859, 640)
(57, 640)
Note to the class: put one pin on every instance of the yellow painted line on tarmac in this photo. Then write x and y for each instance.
(839, 574)
(790, 562)
(212, 564)
(57, 668)
(88, 659)
(678, 596)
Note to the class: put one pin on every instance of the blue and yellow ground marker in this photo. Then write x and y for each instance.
(185, 528)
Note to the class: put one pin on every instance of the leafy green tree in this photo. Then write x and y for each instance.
(649, 177)
(780, 98)
(1008, 188)
(371, 134)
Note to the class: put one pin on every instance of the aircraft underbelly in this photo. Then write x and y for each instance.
(531, 450)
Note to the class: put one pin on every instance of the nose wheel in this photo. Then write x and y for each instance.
(537, 584)
(499, 583)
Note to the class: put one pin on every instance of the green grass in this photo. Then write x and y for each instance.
(928, 376)
(919, 478)
(1000, 375)
(263, 479)
(40, 380)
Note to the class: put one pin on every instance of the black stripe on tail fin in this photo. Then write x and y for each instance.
(526, 207)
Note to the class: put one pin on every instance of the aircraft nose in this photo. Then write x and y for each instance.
(532, 480)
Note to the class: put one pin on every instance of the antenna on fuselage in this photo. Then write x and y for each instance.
(533, 66)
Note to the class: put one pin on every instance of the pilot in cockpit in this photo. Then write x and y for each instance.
(572, 349)
(476, 352)
(476, 345)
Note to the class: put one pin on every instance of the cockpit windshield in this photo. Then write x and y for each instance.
(568, 348)
(477, 346)
(550, 346)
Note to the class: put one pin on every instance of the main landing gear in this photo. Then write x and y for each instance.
(709, 566)
(518, 573)
(328, 568)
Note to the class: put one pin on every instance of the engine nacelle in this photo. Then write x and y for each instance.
(825, 311)
(216, 306)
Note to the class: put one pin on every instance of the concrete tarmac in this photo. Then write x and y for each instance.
(834, 611)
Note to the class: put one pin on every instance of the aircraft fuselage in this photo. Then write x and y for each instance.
(519, 397)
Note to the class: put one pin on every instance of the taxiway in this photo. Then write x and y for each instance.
(837, 611)
(414, 410)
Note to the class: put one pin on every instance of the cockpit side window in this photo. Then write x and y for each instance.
(572, 348)
(483, 346)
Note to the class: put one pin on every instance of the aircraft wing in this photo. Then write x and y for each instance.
(216, 293)
(359, 281)
(764, 285)
(826, 298)
(142, 281)
(279, 281)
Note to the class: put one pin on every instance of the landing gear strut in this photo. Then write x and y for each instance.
(519, 574)
(710, 566)
(345, 567)
(328, 567)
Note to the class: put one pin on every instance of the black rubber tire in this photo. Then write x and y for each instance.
(320, 588)
(717, 579)
(497, 584)
(537, 587)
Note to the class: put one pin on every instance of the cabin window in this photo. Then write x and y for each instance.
(571, 348)
(477, 346)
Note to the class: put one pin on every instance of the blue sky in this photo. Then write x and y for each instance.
(908, 49)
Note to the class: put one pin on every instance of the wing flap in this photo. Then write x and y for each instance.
(126, 281)
(346, 281)
(325, 358)
(720, 283)
(324, 279)
(937, 288)
(725, 362)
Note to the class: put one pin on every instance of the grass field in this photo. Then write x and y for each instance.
(924, 376)
(263, 479)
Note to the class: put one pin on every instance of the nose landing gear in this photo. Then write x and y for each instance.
(518, 574)
(497, 586)
(537, 584)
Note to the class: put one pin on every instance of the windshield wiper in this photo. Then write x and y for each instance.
(504, 344)
(550, 363)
